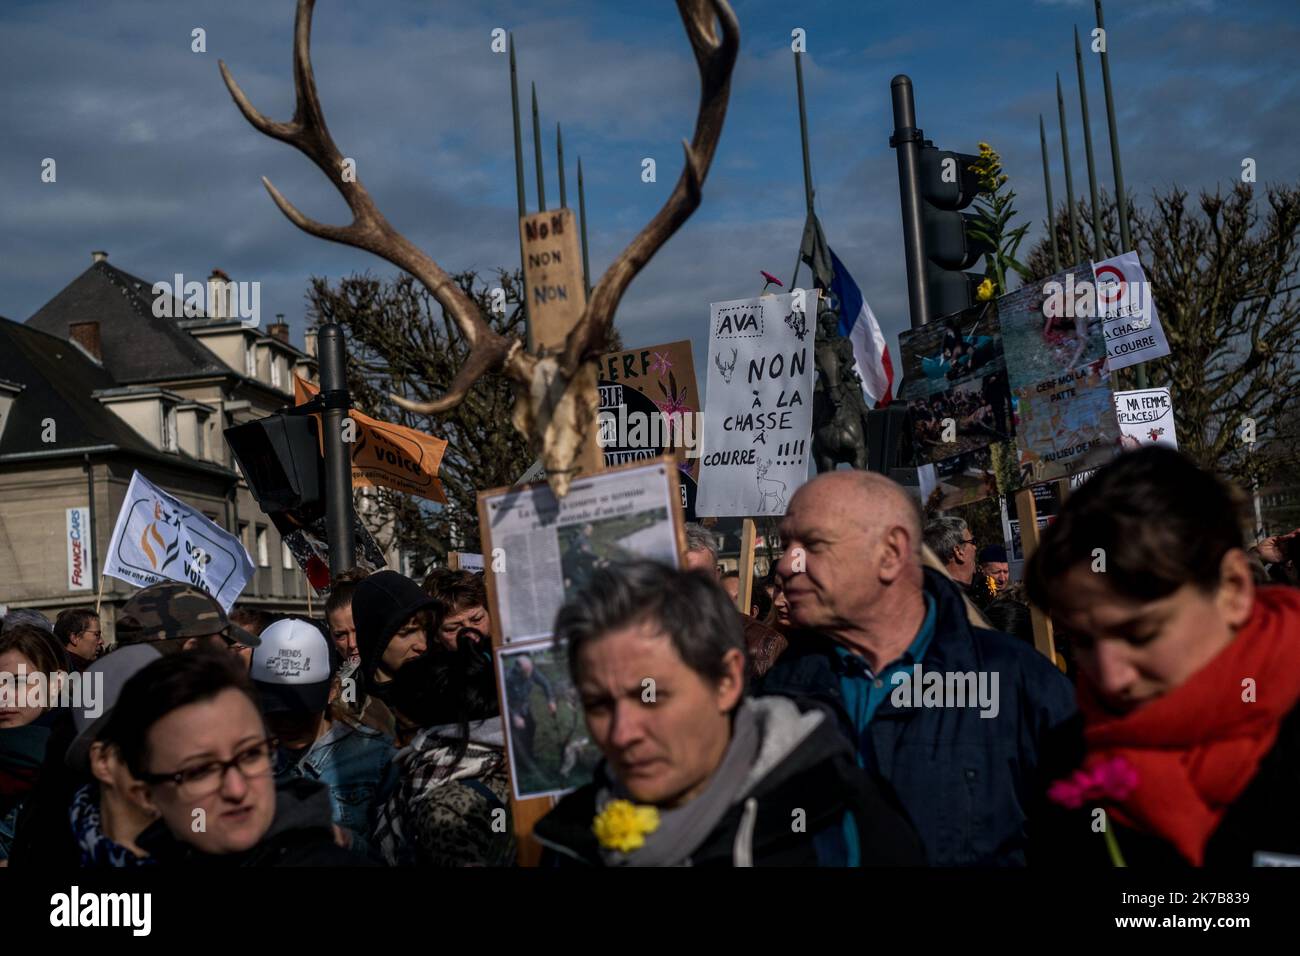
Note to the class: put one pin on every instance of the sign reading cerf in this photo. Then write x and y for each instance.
(552, 275)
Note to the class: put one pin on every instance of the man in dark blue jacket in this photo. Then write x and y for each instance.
(949, 713)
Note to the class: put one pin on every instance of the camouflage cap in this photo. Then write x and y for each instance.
(168, 611)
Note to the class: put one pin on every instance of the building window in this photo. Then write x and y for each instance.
(276, 377)
(243, 537)
(263, 555)
(250, 360)
(286, 556)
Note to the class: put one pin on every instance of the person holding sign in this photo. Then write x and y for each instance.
(694, 772)
(949, 713)
(1189, 739)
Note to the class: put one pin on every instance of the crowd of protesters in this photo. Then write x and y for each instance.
(804, 730)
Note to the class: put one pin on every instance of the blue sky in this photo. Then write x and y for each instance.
(156, 166)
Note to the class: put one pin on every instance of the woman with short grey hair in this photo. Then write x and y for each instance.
(695, 773)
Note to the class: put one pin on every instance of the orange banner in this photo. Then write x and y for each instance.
(394, 456)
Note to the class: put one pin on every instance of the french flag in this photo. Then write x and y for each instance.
(858, 324)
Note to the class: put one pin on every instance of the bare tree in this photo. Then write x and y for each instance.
(402, 342)
(1224, 282)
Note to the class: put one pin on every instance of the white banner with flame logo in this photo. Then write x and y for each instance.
(160, 538)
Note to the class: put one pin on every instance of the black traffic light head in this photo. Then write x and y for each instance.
(950, 183)
(281, 461)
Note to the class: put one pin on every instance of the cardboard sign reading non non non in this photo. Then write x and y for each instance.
(758, 416)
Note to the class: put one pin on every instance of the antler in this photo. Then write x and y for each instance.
(548, 407)
(369, 230)
(716, 56)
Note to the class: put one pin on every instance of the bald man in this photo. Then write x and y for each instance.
(950, 713)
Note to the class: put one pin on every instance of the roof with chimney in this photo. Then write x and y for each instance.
(137, 345)
(57, 379)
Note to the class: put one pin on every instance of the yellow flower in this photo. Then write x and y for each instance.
(992, 581)
(623, 826)
(985, 291)
(985, 148)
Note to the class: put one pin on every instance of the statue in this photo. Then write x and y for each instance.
(839, 411)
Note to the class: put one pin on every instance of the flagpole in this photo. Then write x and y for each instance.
(807, 165)
(1087, 148)
(537, 151)
(582, 216)
(1121, 197)
(559, 158)
(1051, 207)
(99, 598)
(519, 168)
(1069, 178)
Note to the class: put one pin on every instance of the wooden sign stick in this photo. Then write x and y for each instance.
(744, 598)
(1027, 512)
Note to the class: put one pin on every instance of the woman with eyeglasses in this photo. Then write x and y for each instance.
(189, 730)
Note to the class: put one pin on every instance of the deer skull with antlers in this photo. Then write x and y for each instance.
(551, 409)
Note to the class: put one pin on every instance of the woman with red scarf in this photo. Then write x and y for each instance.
(1189, 675)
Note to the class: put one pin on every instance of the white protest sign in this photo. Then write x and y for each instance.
(78, 542)
(1130, 324)
(1146, 417)
(160, 538)
(758, 411)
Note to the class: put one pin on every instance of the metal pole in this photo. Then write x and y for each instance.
(1051, 206)
(1069, 178)
(537, 150)
(807, 164)
(519, 172)
(1097, 252)
(338, 463)
(559, 157)
(582, 215)
(1121, 197)
(907, 140)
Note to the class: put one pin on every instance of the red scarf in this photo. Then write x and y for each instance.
(1196, 748)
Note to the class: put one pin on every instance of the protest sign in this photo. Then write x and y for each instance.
(160, 538)
(1146, 417)
(957, 481)
(964, 418)
(1051, 327)
(310, 546)
(78, 548)
(1066, 424)
(465, 561)
(758, 420)
(1131, 326)
(548, 745)
(549, 547)
(942, 354)
(394, 456)
(1047, 503)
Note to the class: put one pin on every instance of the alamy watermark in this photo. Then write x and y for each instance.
(84, 691)
(931, 688)
(217, 298)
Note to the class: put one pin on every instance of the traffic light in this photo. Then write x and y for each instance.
(281, 461)
(948, 184)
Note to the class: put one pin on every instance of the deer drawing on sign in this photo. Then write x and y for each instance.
(726, 368)
(553, 409)
(770, 488)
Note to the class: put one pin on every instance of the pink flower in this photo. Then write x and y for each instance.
(674, 406)
(771, 278)
(1113, 780)
(661, 364)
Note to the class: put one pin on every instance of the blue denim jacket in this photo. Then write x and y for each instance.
(356, 764)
